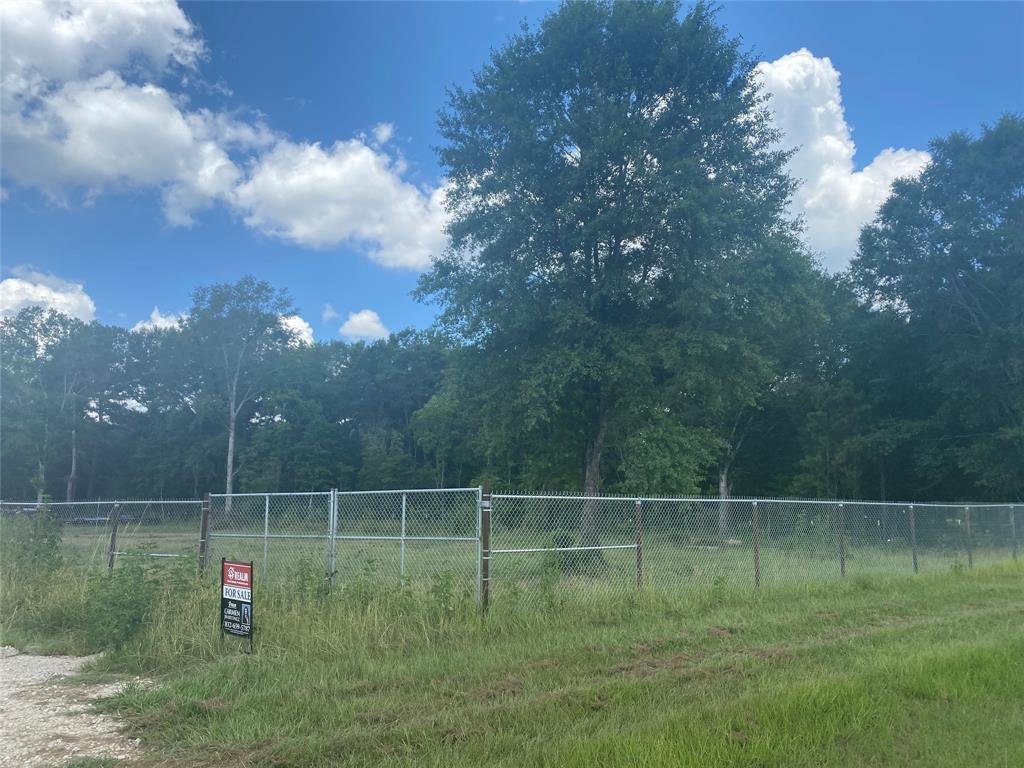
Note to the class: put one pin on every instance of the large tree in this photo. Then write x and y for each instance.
(235, 333)
(618, 237)
(945, 255)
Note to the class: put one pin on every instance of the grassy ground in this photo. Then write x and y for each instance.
(925, 671)
(668, 562)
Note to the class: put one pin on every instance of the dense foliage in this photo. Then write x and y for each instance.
(625, 306)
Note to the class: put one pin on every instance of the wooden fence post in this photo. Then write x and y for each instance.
(841, 525)
(755, 528)
(115, 517)
(913, 537)
(204, 530)
(485, 547)
(969, 541)
(639, 547)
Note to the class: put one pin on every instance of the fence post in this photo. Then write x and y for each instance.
(479, 503)
(969, 542)
(485, 547)
(755, 527)
(401, 550)
(332, 540)
(115, 516)
(204, 531)
(1013, 530)
(639, 547)
(913, 537)
(266, 530)
(841, 514)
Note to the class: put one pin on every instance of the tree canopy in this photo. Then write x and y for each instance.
(625, 307)
(620, 262)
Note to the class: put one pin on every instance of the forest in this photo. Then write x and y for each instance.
(625, 306)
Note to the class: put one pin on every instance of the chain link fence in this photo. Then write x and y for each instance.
(412, 537)
(543, 547)
(93, 534)
(519, 547)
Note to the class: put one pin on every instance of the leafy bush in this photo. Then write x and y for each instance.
(580, 562)
(30, 543)
(442, 592)
(120, 603)
(65, 611)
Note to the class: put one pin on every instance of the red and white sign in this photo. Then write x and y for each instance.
(236, 581)
(237, 574)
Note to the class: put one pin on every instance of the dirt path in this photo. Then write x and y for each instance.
(44, 721)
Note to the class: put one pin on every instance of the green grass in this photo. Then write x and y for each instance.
(901, 671)
(867, 670)
(674, 558)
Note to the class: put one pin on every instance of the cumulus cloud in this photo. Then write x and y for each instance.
(158, 321)
(363, 325)
(382, 132)
(44, 40)
(300, 330)
(104, 132)
(329, 315)
(834, 199)
(83, 113)
(346, 193)
(28, 288)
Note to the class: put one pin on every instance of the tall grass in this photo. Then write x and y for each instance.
(925, 670)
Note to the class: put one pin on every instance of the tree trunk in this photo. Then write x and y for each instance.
(70, 494)
(39, 481)
(881, 493)
(229, 480)
(592, 483)
(230, 468)
(881, 478)
(724, 505)
(94, 463)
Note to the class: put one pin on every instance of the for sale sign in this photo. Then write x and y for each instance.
(236, 598)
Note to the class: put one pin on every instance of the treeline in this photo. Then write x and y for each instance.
(625, 306)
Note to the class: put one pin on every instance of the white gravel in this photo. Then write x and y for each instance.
(44, 721)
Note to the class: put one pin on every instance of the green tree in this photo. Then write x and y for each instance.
(235, 333)
(617, 221)
(60, 380)
(946, 255)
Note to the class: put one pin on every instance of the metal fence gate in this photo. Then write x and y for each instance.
(412, 537)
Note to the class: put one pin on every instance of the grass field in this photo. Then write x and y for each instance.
(667, 563)
(901, 671)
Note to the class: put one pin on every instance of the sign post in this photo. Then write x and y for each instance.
(236, 599)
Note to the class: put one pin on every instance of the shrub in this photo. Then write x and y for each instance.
(30, 543)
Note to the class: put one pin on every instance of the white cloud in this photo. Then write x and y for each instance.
(104, 132)
(61, 40)
(329, 315)
(347, 193)
(158, 321)
(834, 199)
(364, 324)
(83, 113)
(30, 288)
(300, 331)
(131, 404)
(382, 132)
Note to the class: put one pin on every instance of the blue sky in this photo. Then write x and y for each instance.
(219, 139)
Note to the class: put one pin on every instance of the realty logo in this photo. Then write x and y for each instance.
(238, 575)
